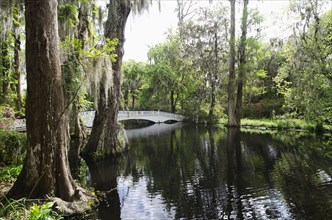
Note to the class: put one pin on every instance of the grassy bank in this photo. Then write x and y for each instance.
(281, 124)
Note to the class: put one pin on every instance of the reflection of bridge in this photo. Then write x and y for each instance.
(153, 130)
(154, 116)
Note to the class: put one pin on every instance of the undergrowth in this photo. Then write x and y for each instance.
(25, 209)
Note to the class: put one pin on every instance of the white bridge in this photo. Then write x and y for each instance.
(154, 116)
(88, 116)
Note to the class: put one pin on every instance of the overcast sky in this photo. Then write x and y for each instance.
(148, 29)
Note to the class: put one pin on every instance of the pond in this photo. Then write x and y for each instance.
(184, 171)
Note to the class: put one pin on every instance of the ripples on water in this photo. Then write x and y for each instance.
(195, 173)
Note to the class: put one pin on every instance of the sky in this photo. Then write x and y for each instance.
(148, 29)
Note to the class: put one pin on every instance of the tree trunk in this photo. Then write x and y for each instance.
(77, 136)
(77, 132)
(17, 71)
(232, 122)
(214, 80)
(103, 140)
(173, 104)
(46, 167)
(5, 70)
(242, 50)
(126, 98)
(133, 99)
(17, 10)
(212, 104)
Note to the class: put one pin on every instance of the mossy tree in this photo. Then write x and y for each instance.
(46, 168)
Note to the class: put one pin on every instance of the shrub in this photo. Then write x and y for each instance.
(12, 147)
(43, 212)
(10, 173)
(266, 108)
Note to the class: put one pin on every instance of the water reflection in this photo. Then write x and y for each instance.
(194, 172)
(103, 176)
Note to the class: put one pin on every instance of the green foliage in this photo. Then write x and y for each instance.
(75, 75)
(167, 76)
(134, 81)
(304, 78)
(10, 173)
(11, 31)
(265, 108)
(74, 46)
(106, 51)
(68, 12)
(43, 212)
(12, 148)
(20, 209)
(14, 209)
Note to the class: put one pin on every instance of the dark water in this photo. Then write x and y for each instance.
(192, 172)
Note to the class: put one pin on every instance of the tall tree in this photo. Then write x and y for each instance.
(5, 50)
(134, 74)
(305, 77)
(76, 38)
(168, 76)
(103, 140)
(205, 41)
(11, 17)
(231, 90)
(46, 167)
(17, 12)
(242, 62)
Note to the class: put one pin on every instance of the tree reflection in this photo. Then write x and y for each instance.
(104, 178)
(206, 173)
(307, 185)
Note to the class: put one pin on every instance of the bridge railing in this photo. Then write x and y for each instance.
(147, 113)
(20, 124)
(136, 113)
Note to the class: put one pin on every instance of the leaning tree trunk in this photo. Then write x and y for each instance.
(46, 167)
(242, 51)
(103, 139)
(232, 122)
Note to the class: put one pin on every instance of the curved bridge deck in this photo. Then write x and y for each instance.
(88, 116)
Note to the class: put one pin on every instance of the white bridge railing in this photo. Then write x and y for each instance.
(126, 114)
(88, 116)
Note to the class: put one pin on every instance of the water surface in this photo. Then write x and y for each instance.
(192, 172)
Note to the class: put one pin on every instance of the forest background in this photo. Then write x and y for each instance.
(212, 68)
(288, 75)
